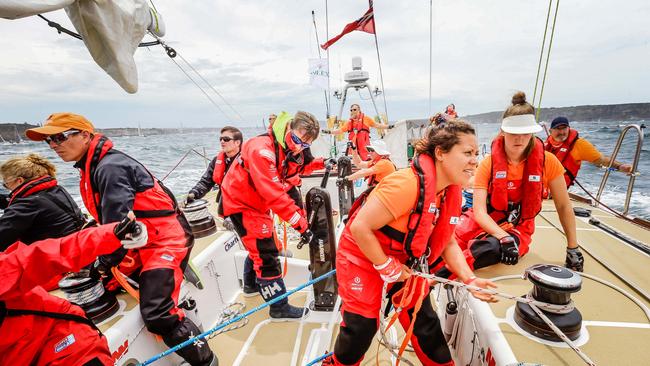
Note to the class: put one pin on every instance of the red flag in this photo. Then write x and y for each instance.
(365, 24)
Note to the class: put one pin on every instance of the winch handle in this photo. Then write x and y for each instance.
(326, 176)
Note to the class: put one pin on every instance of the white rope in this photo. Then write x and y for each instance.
(534, 304)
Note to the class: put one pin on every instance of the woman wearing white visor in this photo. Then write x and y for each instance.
(376, 168)
(508, 195)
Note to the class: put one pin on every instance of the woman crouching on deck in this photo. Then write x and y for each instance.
(407, 219)
(508, 190)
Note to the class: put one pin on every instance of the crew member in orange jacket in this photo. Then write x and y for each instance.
(407, 219)
(508, 190)
(113, 183)
(257, 183)
(358, 130)
(571, 149)
(37, 328)
(373, 170)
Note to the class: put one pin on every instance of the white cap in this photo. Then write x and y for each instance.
(379, 147)
(521, 124)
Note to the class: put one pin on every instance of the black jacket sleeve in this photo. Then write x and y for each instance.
(15, 222)
(206, 183)
(118, 178)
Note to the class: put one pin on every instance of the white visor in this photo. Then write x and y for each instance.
(521, 124)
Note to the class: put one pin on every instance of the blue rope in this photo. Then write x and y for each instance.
(319, 359)
(235, 319)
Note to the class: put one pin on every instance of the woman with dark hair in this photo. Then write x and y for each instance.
(508, 190)
(37, 207)
(406, 220)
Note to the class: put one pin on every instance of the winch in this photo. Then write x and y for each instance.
(88, 292)
(553, 285)
(200, 219)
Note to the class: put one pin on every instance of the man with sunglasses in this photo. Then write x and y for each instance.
(258, 182)
(231, 139)
(358, 129)
(112, 184)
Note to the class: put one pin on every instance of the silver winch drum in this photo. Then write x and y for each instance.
(87, 292)
(553, 285)
(200, 219)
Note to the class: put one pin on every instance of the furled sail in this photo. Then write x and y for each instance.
(111, 30)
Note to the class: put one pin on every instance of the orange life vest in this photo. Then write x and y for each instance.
(429, 228)
(563, 153)
(356, 126)
(504, 193)
(220, 167)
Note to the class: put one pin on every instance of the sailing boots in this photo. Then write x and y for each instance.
(271, 289)
(251, 288)
(198, 354)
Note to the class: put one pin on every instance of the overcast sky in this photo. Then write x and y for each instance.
(255, 52)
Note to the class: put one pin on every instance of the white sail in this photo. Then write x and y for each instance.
(111, 30)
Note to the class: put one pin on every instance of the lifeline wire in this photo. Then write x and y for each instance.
(235, 319)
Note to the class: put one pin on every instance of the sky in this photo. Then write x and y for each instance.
(255, 54)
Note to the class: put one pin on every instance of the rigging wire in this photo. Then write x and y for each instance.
(61, 29)
(313, 18)
(211, 87)
(548, 56)
(327, 36)
(381, 74)
(541, 51)
(430, 51)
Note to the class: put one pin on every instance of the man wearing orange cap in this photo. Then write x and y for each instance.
(113, 183)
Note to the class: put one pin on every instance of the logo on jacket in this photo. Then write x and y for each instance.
(356, 284)
(432, 208)
(167, 257)
(534, 178)
(500, 174)
(453, 220)
(563, 149)
(64, 343)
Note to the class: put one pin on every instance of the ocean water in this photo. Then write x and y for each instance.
(161, 154)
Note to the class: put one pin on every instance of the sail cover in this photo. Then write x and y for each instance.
(111, 30)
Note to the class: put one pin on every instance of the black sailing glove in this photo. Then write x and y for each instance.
(574, 259)
(509, 250)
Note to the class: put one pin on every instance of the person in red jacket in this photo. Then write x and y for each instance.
(408, 219)
(571, 149)
(508, 190)
(37, 328)
(258, 183)
(113, 183)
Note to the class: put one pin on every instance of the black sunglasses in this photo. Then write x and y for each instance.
(60, 137)
(225, 138)
(353, 110)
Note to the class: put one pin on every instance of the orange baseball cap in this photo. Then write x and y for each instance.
(60, 122)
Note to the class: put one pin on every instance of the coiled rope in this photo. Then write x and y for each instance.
(219, 327)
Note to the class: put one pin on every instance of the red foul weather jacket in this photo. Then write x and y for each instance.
(30, 339)
(257, 180)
